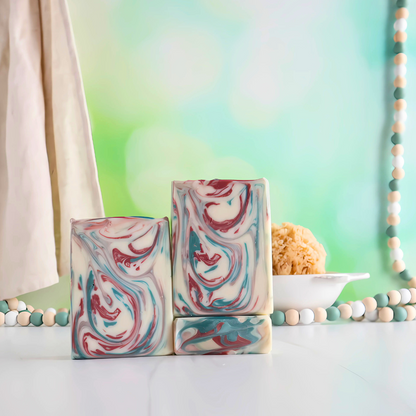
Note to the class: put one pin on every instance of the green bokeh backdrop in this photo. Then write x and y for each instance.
(298, 92)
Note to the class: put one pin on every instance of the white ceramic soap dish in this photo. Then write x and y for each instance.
(310, 290)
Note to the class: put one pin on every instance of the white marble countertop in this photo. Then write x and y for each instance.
(347, 369)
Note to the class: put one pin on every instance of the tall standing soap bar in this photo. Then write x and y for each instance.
(121, 287)
(221, 243)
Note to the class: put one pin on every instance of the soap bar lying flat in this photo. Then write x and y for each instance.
(223, 335)
(221, 243)
(121, 287)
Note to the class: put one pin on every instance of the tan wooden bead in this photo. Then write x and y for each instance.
(400, 82)
(394, 297)
(412, 291)
(398, 127)
(12, 303)
(397, 150)
(400, 36)
(23, 318)
(385, 314)
(359, 318)
(394, 196)
(412, 282)
(49, 318)
(400, 58)
(292, 317)
(320, 314)
(393, 242)
(399, 266)
(38, 310)
(400, 104)
(1, 318)
(411, 312)
(62, 310)
(346, 311)
(398, 173)
(30, 308)
(350, 302)
(402, 13)
(393, 219)
(370, 304)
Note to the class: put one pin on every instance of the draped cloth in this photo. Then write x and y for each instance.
(47, 165)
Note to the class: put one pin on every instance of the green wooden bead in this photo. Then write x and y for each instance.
(399, 47)
(278, 318)
(401, 3)
(36, 318)
(337, 303)
(333, 313)
(4, 307)
(391, 231)
(382, 300)
(61, 318)
(394, 185)
(397, 138)
(405, 275)
(399, 313)
(399, 93)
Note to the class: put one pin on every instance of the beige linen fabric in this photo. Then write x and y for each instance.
(47, 165)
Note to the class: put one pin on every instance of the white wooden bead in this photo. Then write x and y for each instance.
(396, 254)
(373, 315)
(398, 161)
(400, 25)
(51, 310)
(394, 208)
(21, 306)
(358, 309)
(306, 316)
(11, 318)
(400, 116)
(405, 296)
(400, 70)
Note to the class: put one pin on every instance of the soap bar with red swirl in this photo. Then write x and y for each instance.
(221, 243)
(228, 335)
(121, 289)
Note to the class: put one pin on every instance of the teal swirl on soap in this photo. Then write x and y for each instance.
(227, 335)
(121, 287)
(221, 247)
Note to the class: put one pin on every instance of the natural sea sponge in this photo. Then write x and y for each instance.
(296, 250)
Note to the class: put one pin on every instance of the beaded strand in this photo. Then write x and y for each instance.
(13, 311)
(397, 305)
(398, 128)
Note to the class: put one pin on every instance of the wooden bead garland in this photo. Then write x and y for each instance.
(25, 315)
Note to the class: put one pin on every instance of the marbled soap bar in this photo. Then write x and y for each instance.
(221, 243)
(121, 289)
(223, 335)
